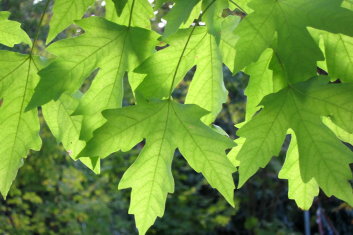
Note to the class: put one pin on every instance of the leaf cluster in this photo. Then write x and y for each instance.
(280, 44)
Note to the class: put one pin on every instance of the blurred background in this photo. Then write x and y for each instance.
(55, 195)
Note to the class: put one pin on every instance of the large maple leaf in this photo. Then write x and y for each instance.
(19, 129)
(187, 48)
(100, 96)
(282, 25)
(113, 48)
(165, 125)
(301, 107)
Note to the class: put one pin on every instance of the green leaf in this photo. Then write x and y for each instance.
(232, 155)
(67, 128)
(178, 15)
(282, 25)
(300, 108)
(226, 45)
(19, 129)
(166, 126)
(207, 87)
(339, 56)
(213, 16)
(119, 6)
(302, 192)
(194, 14)
(65, 12)
(347, 4)
(11, 32)
(342, 134)
(173, 63)
(260, 83)
(113, 48)
(136, 13)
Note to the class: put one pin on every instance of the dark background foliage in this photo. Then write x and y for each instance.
(55, 195)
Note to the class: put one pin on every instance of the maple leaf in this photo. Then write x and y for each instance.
(188, 47)
(302, 192)
(282, 25)
(64, 14)
(194, 15)
(263, 82)
(173, 63)
(213, 16)
(113, 48)
(227, 39)
(260, 83)
(338, 50)
(185, 48)
(19, 129)
(165, 125)
(300, 108)
(67, 128)
(11, 32)
(179, 14)
(135, 13)
(207, 87)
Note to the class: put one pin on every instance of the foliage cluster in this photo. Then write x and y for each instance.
(279, 44)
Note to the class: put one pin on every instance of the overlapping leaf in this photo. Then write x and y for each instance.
(321, 155)
(166, 126)
(178, 15)
(67, 128)
(207, 87)
(213, 16)
(64, 14)
(11, 32)
(173, 63)
(283, 26)
(136, 13)
(141, 12)
(19, 129)
(119, 6)
(339, 56)
(226, 45)
(302, 192)
(187, 48)
(113, 48)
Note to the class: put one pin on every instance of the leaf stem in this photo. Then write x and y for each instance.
(184, 49)
(38, 28)
(131, 11)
